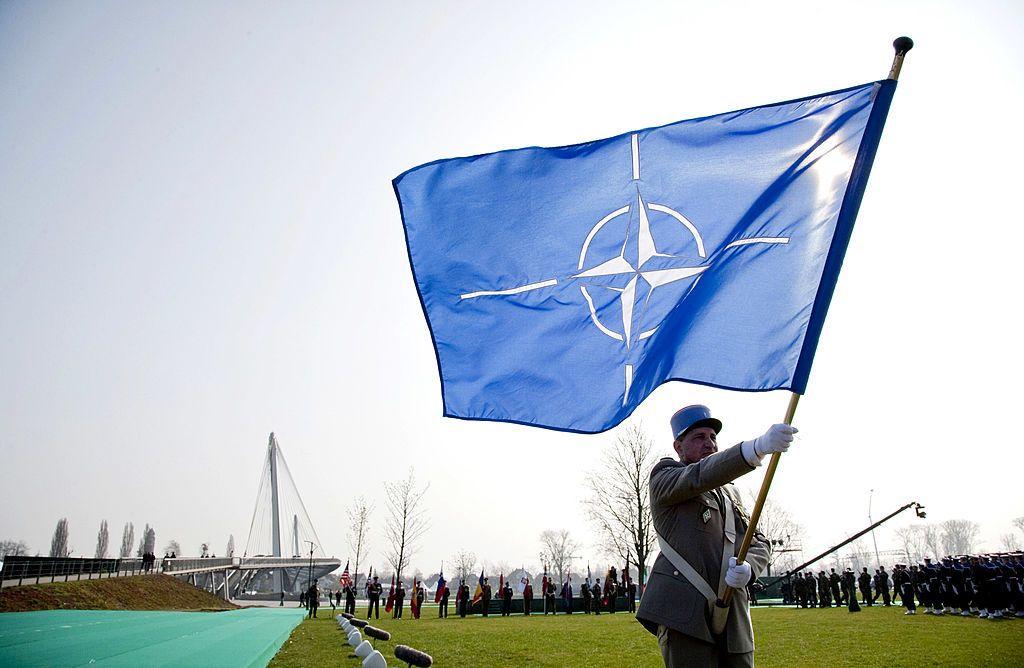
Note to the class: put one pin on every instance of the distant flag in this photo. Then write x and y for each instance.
(522, 581)
(478, 594)
(567, 589)
(414, 604)
(501, 582)
(441, 582)
(588, 575)
(391, 596)
(346, 578)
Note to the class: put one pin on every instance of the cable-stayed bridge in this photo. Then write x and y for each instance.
(282, 553)
(263, 571)
(283, 550)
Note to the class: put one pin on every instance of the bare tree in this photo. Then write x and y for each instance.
(558, 550)
(407, 522)
(102, 541)
(13, 548)
(464, 562)
(911, 542)
(59, 542)
(230, 552)
(1018, 523)
(504, 568)
(930, 537)
(618, 503)
(359, 527)
(1010, 542)
(173, 547)
(127, 540)
(959, 536)
(784, 536)
(858, 554)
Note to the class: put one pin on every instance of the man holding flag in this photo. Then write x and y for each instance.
(527, 595)
(441, 595)
(563, 285)
(390, 605)
(479, 592)
(697, 517)
(586, 594)
(373, 592)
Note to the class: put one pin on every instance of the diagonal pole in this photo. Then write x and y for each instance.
(902, 45)
(762, 495)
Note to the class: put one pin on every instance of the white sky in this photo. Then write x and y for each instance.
(199, 244)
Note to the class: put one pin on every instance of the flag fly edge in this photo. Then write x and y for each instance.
(844, 229)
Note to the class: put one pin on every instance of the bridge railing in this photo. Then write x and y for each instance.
(249, 563)
(194, 564)
(22, 569)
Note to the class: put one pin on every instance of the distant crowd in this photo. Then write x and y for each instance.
(592, 596)
(987, 586)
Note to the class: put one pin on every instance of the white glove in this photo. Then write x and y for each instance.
(776, 439)
(737, 577)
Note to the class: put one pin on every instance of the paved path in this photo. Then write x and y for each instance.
(249, 637)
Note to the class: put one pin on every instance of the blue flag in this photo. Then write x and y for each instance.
(563, 285)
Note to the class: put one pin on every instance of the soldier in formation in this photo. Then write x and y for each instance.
(987, 586)
(506, 600)
(399, 600)
(373, 592)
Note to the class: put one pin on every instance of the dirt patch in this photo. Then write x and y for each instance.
(140, 592)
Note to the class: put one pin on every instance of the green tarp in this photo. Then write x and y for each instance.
(247, 637)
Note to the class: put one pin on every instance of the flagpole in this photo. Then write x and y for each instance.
(762, 495)
(901, 45)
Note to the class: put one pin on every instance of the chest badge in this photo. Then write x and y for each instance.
(707, 515)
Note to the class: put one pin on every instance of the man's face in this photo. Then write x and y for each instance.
(696, 444)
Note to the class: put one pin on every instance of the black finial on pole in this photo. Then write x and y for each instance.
(901, 45)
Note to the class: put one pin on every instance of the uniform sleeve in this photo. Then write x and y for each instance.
(674, 484)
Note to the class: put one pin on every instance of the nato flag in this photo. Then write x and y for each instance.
(563, 285)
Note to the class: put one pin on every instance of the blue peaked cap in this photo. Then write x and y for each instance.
(693, 416)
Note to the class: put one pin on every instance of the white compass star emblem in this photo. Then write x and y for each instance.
(646, 250)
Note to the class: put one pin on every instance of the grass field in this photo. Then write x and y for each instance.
(785, 637)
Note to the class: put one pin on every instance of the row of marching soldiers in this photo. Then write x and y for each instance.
(990, 586)
(828, 589)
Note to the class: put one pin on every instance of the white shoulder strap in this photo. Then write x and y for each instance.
(686, 570)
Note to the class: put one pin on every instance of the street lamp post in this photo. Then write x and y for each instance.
(878, 561)
(309, 580)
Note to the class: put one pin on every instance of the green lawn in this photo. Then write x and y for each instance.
(785, 637)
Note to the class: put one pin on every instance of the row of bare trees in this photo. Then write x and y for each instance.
(404, 527)
(949, 538)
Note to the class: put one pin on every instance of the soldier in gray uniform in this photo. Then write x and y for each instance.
(700, 524)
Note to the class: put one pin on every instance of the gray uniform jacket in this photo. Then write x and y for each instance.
(681, 497)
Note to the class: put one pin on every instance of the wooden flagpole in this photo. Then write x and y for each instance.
(901, 45)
